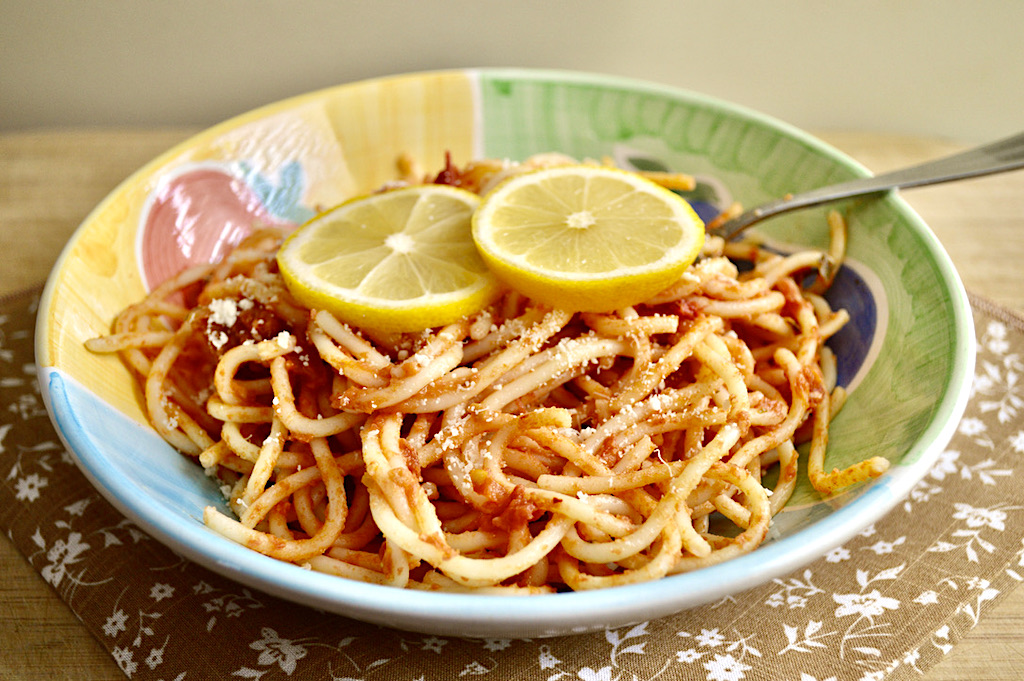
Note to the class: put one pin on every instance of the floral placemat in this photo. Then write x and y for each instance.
(886, 605)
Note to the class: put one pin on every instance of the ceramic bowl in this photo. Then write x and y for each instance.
(907, 356)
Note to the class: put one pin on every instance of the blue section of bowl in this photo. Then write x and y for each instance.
(853, 342)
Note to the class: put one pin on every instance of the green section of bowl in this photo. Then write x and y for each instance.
(759, 159)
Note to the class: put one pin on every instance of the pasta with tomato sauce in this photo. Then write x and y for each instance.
(523, 449)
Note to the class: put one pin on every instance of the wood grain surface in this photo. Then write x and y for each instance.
(51, 179)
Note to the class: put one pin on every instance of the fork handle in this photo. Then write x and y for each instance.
(995, 157)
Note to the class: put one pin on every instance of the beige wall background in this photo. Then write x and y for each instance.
(944, 68)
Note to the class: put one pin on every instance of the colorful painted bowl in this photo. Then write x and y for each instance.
(907, 356)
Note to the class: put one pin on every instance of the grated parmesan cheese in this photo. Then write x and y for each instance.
(224, 311)
(218, 339)
(284, 340)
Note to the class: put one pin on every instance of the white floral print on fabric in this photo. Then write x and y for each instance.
(887, 604)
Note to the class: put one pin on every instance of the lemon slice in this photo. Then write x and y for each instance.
(586, 237)
(401, 260)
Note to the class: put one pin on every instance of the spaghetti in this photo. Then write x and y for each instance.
(524, 449)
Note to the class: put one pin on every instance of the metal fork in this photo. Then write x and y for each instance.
(995, 157)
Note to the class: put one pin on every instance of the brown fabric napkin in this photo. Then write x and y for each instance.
(886, 605)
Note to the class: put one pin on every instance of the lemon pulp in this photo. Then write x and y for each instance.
(586, 237)
(401, 260)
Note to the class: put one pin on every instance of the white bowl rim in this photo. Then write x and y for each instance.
(477, 615)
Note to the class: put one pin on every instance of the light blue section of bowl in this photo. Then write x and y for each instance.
(165, 494)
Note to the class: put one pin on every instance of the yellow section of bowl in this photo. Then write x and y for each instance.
(347, 140)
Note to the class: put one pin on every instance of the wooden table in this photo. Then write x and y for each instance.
(50, 180)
